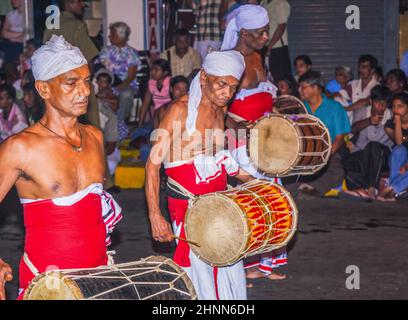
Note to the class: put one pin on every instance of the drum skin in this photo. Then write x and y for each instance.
(152, 278)
(258, 216)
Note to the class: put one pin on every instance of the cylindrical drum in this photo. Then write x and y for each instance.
(286, 145)
(258, 216)
(152, 278)
(287, 104)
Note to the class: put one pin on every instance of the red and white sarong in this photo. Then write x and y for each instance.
(67, 233)
(201, 176)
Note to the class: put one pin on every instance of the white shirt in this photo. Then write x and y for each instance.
(358, 93)
(278, 12)
(16, 21)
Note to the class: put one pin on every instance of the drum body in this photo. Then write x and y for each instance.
(152, 278)
(256, 217)
(286, 145)
(287, 104)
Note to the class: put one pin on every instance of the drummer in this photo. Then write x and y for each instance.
(247, 32)
(60, 160)
(190, 143)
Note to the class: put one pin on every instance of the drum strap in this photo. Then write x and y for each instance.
(30, 265)
(176, 190)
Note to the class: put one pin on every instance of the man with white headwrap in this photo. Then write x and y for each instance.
(247, 32)
(193, 167)
(58, 168)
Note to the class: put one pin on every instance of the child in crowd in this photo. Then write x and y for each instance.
(287, 86)
(158, 93)
(302, 64)
(179, 86)
(34, 106)
(337, 88)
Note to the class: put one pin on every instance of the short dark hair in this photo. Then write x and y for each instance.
(10, 90)
(290, 81)
(380, 93)
(105, 75)
(163, 64)
(306, 59)
(368, 58)
(181, 32)
(313, 77)
(178, 79)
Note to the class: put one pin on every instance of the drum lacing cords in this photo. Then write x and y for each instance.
(110, 255)
(30, 265)
(178, 188)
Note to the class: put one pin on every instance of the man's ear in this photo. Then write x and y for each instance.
(203, 77)
(43, 89)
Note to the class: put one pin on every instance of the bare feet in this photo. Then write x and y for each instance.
(259, 274)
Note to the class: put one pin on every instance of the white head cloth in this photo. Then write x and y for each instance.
(216, 63)
(54, 58)
(248, 16)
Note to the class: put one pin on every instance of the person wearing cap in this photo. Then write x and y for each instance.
(334, 117)
(194, 167)
(57, 166)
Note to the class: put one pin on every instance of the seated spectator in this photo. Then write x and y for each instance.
(27, 77)
(13, 32)
(369, 155)
(12, 119)
(337, 88)
(360, 89)
(123, 61)
(287, 86)
(179, 87)
(302, 65)
(158, 93)
(396, 81)
(182, 57)
(334, 117)
(34, 106)
(397, 129)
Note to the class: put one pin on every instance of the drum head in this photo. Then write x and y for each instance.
(217, 224)
(274, 145)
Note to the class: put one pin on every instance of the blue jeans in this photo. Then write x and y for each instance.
(399, 157)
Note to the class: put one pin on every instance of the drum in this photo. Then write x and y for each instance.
(152, 278)
(287, 145)
(256, 217)
(287, 104)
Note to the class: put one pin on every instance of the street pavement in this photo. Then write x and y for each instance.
(333, 235)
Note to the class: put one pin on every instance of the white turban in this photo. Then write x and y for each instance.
(248, 16)
(216, 63)
(56, 57)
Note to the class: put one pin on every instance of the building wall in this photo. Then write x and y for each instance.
(129, 11)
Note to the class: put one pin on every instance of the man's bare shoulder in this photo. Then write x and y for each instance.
(91, 130)
(178, 108)
(18, 144)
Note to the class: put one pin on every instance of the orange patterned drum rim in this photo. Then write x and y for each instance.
(266, 211)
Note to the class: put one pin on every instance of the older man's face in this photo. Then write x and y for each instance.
(219, 90)
(69, 92)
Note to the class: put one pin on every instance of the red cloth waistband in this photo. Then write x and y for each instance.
(253, 107)
(63, 237)
(185, 174)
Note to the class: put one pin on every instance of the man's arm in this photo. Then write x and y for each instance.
(360, 125)
(358, 104)
(145, 106)
(10, 35)
(398, 137)
(280, 30)
(161, 229)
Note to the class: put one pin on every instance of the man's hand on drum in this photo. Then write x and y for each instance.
(245, 125)
(6, 275)
(161, 229)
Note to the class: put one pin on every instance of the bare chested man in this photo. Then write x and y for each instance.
(247, 32)
(58, 168)
(196, 164)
